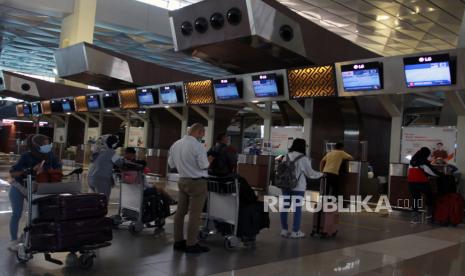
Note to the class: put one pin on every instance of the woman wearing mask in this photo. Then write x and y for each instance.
(419, 171)
(304, 169)
(103, 159)
(39, 158)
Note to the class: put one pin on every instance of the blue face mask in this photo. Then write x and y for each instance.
(45, 148)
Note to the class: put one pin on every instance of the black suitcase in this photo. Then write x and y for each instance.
(70, 235)
(69, 207)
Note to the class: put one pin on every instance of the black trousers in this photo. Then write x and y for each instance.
(416, 190)
(332, 184)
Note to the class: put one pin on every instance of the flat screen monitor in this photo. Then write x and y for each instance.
(146, 97)
(265, 85)
(36, 109)
(56, 106)
(170, 94)
(110, 100)
(93, 102)
(67, 105)
(226, 89)
(423, 71)
(27, 109)
(362, 76)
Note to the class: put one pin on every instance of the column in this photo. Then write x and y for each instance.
(79, 26)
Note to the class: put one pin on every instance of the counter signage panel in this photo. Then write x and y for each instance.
(424, 71)
(56, 106)
(169, 95)
(93, 102)
(265, 85)
(226, 89)
(36, 108)
(145, 97)
(26, 109)
(110, 100)
(362, 77)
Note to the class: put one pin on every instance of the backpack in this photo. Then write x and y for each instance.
(285, 177)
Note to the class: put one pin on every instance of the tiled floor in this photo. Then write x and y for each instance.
(367, 244)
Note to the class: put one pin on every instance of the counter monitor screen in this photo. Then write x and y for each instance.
(67, 105)
(426, 71)
(226, 89)
(145, 97)
(56, 106)
(169, 94)
(36, 108)
(110, 100)
(359, 77)
(93, 102)
(265, 85)
(27, 109)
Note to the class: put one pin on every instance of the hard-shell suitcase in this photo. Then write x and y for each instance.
(69, 235)
(69, 207)
(449, 209)
(325, 223)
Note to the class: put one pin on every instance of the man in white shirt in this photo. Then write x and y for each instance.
(189, 157)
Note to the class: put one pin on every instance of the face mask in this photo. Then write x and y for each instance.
(45, 148)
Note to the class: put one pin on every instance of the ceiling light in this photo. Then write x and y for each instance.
(431, 9)
(382, 17)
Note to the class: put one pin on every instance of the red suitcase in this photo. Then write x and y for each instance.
(325, 223)
(69, 207)
(449, 209)
(70, 235)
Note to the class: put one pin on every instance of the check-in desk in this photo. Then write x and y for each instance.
(256, 169)
(157, 161)
(141, 153)
(399, 195)
(354, 179)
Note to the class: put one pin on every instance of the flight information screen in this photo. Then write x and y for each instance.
(168, 94)
(265, 85)
(359, 77)
(428, 71)
(226, 89)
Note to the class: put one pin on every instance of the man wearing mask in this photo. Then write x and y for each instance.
(189, 157)
(39, 159)
(103, 159)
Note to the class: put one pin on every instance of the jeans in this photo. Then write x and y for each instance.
(292, 196)
(16, 200)
(417, 189)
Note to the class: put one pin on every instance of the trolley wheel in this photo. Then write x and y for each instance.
(71, 259)
(86, 261)
(21, 254)
(136, 228)
(230, 242)
(117, 221)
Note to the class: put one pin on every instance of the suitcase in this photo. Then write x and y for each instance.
(449, 209)
(69, 207)
(70, 235)
(325, 223)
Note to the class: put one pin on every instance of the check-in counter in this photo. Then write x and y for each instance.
(83, 154)
(351, 180)
(157, 161)
(141, 153)
(256, 169)
(399, 195)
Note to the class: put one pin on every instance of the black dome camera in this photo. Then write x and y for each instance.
(217, 21)
(234, 16)
(186, 28)
(201, 25)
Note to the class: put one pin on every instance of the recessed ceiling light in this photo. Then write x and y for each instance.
(382, 17)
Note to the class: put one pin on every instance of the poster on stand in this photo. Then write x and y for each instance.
(282, 138)
(136, 137)
(59, 136)
(440, 140)
(92, 135)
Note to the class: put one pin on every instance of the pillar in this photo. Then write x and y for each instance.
(79, 26)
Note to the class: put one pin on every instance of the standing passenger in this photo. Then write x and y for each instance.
(303, 168)
(331, 164)
(189, 157)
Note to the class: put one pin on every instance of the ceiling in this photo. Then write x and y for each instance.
(388, 27)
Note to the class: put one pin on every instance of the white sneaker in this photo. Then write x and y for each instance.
(297, 235)
(13, 245)
(284, 233)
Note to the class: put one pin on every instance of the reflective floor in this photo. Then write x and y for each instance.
(367, 244)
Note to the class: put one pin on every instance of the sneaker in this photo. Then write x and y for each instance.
(196, 249)
(284, 233)
(13, 245)
(297, 235)
(180, 245)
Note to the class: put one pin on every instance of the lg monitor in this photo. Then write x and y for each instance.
(226, 89)
(93, 102)
(265, 85)
(170, 94)
(36, 109)
(67, 105)
(146, 97)
(110, 100)
(362, 76)
(27, 109)
(56, 106)
(428, 70)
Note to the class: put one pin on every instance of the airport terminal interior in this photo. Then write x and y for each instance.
(167, 137)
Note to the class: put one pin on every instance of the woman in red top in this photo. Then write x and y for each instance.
(419, 171)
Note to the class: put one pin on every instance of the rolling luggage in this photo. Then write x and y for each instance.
(69, 235)
(69, 207)
(325, 223)
(449, 209)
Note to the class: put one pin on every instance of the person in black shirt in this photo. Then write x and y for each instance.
(224, 157)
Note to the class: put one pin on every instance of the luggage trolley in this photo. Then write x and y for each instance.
(131, 202)
(223, 207)
(25, 249)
